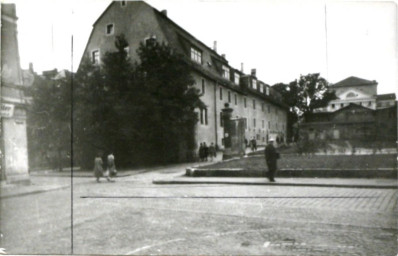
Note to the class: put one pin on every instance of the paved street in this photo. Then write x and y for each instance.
(135, 217)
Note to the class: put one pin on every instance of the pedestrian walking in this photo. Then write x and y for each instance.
(111, 165)
(271, 157)
(205, 151)
(98, 169)
(212, 151)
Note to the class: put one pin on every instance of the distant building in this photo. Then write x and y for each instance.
(359, 114)
(14, 160)
(220, 83)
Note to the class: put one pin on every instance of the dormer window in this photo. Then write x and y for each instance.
(110, 29)
(196, 55)
(150, 41)
(261, 88)
(225, 72)
(254, 84)
(237, 78)
(267, 90)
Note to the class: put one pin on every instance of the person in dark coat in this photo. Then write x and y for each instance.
(271, 156)
(254, 144)
(205, 151)
(201, 153)
(212, 151)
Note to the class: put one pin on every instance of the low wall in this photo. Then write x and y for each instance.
(314, 173)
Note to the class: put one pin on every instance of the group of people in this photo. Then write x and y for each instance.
(206, 152)
(109, 172)
(253, 144)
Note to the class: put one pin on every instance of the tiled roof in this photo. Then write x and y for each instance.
(182, 40)
(354, 81)
(388, 96)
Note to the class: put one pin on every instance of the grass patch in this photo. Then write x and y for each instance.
(313, 162)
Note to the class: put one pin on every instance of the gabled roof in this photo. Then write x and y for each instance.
(388, 96)
(351, 106)
(182, 41)
(177, 35)
(354, 81)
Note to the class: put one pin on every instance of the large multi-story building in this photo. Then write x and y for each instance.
(360, 92)
(219, 82)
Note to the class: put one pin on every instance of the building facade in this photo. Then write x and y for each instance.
(218, 82)
(358, 115)
(14, 154)
(360, 92)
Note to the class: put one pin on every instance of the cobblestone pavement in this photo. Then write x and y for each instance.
(132, 216)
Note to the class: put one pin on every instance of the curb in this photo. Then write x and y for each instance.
(298, 172)
(188, 182)
(33, 192)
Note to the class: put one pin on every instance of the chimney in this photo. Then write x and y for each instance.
(215, 46)
(31, 67)
(164, 12)
(253, 72)
(223, 56)
(241, 67)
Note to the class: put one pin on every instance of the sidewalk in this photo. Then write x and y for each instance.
(36, 185)
(310, 182)
(49, 180)
(44, 181)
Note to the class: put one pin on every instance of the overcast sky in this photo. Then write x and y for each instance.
(281, 39)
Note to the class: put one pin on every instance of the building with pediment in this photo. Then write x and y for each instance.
(358, 114)
(219, 83)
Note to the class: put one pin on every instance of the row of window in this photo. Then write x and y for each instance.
(204, 121)
(368, 103)
(263, 124)
(385, 104)
(95, 55)
(196, 56)
(236, 98)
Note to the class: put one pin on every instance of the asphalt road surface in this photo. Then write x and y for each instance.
(132, 216)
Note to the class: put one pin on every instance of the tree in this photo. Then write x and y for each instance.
(49, 121)
(99, 106)
(303, 96)
(143, 112)
(308, 93)
(170, 101)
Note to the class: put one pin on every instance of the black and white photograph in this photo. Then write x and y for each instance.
(199, 127)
